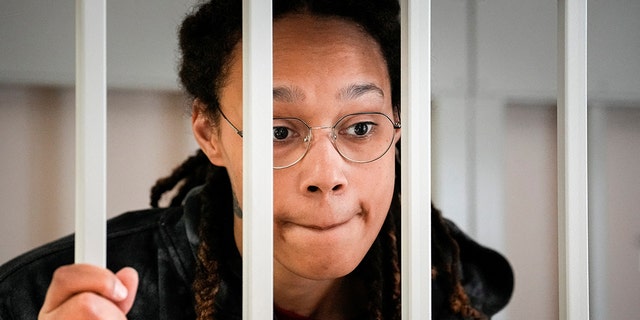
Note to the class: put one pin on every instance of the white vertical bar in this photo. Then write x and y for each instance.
(91, 128)
(416, 158)
(257, 242)
(599, 222)
(572, 160)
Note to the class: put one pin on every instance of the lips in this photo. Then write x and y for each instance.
(329, 224)
(326, 227)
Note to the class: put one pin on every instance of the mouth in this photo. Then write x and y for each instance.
(325, 227)
(319, 227)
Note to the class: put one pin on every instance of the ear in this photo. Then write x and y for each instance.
(396, 118)
(206, 133)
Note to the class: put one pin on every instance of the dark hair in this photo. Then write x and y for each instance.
(207, 39)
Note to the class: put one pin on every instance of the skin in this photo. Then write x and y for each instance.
(83, 291)
(327, 210)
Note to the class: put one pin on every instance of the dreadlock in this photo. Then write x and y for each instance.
(207, 38)
(190, 174)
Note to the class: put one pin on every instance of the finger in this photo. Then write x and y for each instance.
(71, 280)
(85, 306)
(129, 278)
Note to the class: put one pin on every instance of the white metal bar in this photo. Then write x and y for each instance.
(599, 291)
(573, 242)
(91, 128)
(416, 159)
(257, 242)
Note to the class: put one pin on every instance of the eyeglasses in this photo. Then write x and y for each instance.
(359, 137)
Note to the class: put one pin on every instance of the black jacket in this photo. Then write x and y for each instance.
(160, 244)
(153, 242)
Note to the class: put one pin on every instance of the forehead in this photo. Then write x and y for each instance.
(307, 36)
(306, 46)
(306, 30)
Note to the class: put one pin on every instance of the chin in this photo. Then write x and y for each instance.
(323, 263)
(325, 270)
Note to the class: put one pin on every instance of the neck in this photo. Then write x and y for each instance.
(317, 299)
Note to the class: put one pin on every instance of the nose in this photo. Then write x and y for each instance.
(322, 166)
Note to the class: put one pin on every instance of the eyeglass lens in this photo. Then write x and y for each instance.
(360, 137)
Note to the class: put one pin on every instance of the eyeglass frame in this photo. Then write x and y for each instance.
(396, 125)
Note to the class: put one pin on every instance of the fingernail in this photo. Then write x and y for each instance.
(120, 291)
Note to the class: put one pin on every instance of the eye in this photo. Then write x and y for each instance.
(360, 128)
(280, 133)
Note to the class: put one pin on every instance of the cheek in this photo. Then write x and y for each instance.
(285, 190)
(235, 175)
(377, 180)
(377, 192)
(234, 169)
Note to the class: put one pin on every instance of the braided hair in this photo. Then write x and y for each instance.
(207, 38)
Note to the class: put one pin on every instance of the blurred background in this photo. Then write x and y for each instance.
(494, 131)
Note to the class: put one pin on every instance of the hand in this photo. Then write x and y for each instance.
(83, 291)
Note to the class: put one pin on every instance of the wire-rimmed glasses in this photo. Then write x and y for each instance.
(358, 137)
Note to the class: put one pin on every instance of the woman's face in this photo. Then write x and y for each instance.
(327, 210)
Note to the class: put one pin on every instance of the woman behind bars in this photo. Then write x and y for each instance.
(336, 190)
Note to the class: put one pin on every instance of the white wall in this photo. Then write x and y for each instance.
(494, 86)
(622, 194)
(148, 133)
(37, 42)
(530, 205)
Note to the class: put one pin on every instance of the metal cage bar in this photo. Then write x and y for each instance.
(257, 235)
(91, 132)
(416, 158)
(573, 245)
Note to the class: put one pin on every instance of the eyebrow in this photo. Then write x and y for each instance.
(288, 94)
(357, 90)
(293, 94)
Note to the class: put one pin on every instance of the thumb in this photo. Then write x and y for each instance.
(129, 278)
